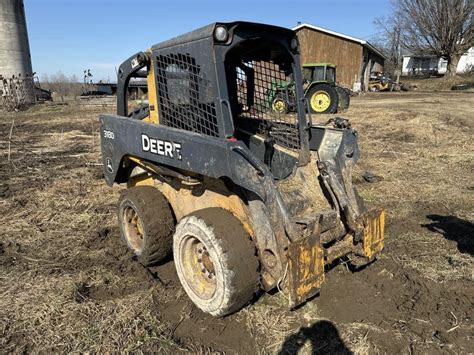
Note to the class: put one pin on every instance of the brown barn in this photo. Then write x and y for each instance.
(355, 58)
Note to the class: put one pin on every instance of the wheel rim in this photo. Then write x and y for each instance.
(133, 229)
(279, 106)
(320, 101)
(198, 267)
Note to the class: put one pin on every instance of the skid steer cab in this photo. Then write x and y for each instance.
(245, 198)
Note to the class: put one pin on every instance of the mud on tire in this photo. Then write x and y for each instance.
(146, 223)
(215, 261)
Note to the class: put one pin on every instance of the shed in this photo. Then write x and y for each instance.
(355, 58)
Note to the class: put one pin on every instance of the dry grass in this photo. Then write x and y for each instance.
(67, 285)
(426, 258)
(439, 84)
(425, 154)
(267, 323)
(50, 263)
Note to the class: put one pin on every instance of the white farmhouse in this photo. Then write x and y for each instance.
(417, 65)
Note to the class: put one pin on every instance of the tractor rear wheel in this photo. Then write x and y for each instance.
(322, 98)
(344, 98)
(146, 223)
(215, 261)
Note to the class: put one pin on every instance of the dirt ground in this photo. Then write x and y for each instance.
(68, 284)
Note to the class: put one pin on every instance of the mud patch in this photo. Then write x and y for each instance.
(401, 136)
(399, 303)
(193, 328)
(9, 253)
(406, 116)
(5, 191)
(88, 291)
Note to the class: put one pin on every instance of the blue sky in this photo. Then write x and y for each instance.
(73, 35)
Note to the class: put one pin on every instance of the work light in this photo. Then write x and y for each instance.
(220, 33)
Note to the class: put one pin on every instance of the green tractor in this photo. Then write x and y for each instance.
(321, 91)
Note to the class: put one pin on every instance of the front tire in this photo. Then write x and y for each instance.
(215, 261)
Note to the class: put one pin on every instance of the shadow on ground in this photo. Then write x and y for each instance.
(323, 337)
(453, 228)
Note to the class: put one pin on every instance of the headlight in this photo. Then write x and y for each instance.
(221, 34)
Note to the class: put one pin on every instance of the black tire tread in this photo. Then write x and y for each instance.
(240, 250)
(157, 219)
(344, 98)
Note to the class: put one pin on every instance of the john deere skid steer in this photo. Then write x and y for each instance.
(244, 198)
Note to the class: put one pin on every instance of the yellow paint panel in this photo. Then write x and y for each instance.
(184, 201)
(374, 226)
(305, 269)
(141, 180)
(152, 98)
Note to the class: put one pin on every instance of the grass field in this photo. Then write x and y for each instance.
(68, 284)
(439, 84)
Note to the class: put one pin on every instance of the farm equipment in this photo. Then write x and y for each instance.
(244, 198)
(381, 82)
(320, 89)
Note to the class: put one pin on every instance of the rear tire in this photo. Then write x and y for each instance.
(215, 261)
(344, 98)
(322, 98)
(146, 224)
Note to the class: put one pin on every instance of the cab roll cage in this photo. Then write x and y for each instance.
(130, 68)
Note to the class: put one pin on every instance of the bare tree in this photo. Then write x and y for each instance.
(62, 85)
(443, 28)
(389, 41)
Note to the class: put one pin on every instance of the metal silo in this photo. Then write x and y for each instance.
(15, 59)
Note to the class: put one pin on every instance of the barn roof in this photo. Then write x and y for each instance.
(337, 34)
